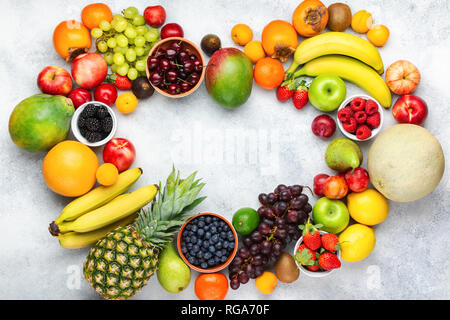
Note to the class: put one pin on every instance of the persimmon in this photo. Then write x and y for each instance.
(268, 73)
(95, 13)
(71, 38)
(279, 39)
(310, 18)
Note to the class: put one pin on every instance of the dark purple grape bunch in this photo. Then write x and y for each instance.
(174, 70)
(281, 213)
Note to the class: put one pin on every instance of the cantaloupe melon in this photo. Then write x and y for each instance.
(406, 163)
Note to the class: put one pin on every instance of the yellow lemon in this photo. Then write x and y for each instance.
(241, 34)
(254, 51)
(266, 282)
(357, 242)
(368, 207)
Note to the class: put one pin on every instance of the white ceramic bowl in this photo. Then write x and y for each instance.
(374, 131)
(313, 274)
(76, 131)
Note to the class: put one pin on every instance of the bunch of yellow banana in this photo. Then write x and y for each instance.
(89, 218)
(345, 55)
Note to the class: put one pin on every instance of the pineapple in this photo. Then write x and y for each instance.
(121, 263)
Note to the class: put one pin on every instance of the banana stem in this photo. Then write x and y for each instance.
(291, 70)
(299, 73)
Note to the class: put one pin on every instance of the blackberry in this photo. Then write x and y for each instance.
(89, 111)
(102, 113)
(94, 137)
(93, 124)
(81, 122)
(107, 125)
(84, 132)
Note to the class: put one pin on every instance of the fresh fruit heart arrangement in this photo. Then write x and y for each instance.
(131, 233)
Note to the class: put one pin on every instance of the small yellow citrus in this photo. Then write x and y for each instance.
(266, 282)
(357, 242)
(368, 207)
(378, 35)
(107, 174)
(241, 34)
(127, 102)
(362, 21)
(254, 51)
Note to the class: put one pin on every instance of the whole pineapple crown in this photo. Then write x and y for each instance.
(157, 225)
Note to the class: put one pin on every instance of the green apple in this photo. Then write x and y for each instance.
(327, 92)
(333, 215)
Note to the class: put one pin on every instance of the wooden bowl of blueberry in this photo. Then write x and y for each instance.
(207, 242)
(94, 124)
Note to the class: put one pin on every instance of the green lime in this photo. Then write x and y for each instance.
(245, 220)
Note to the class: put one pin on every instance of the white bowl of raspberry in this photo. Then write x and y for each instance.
(94, 124)
(360, 117)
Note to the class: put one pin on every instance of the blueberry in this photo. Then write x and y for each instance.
(207, 255)
(195, 263)
(223, 259)
(199, 255)
(199, 242)
(208, 219)
(223, 235)
(219, 245)
(219, 253)
(194, 228)
(222, 223)
(188, 227)
(208, 235)
(201, 232)
(189, 245)
(225, 244)
(201, 218)
(215, 238)
(212, 249)
(204, 265)
(215, 218)
(190, 233)
(201, 224)
(191, 260)
(213, 229)
(211, 262)
(184, 249)
(196, 248)
(205, 244)
(206, 228)
(231, 245)
(217, 259)
(187, 239)
(193, 239)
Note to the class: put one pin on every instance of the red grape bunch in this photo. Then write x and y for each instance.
(280, 214)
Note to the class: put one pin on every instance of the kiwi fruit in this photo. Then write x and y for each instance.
(210, 44)
(286, 269)
(340, 17)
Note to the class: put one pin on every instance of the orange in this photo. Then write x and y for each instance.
(69, 168)
(254, 51)
(107, 174)
(362, 21)
(269, 73)
(127, 102)
(266, 282)
(241, 34)
(378, 35)
(95, 13)
(211, 286)
(69, 36)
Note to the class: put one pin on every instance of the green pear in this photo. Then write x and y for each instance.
(173, 274)
(343, 154)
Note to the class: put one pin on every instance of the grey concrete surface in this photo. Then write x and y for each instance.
(410, 260)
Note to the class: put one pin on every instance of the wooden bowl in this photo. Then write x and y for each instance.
(216, 268)
(191, 48)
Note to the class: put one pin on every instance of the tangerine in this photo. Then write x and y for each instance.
(269, 73)
(95, 13)
(211, 286)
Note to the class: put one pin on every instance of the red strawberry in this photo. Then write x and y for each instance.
(305, 256)
(363, 132)
(345, 113)
(120, 82)
(311, 235)
(350, 125)
(330, 242)
(360, 117)
(329, 261)
(374, 120)
(371, 107)
(300, 97)
(313, 268)
(286, 90)
(358, 104)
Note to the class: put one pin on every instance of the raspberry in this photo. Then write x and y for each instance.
(350, 125)
(363, 132)
(371, 107)
(358, 104)
(374, 120)
(345, 113)
(360, 117)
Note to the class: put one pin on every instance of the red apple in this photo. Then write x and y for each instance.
(155, 16)
(410, 109)
(319, 183)
(55, 81)
(106, 93)
(79, 96)
(323, 126)
(357, 179)
(120, 152)
(335, 188)
(402, 77)
(172, 30)
(89, 70)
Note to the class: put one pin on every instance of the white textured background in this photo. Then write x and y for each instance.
(411, 253)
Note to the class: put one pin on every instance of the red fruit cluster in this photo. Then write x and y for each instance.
(360, 117)
(318, 252)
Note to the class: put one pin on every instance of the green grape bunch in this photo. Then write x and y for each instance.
(125, 42)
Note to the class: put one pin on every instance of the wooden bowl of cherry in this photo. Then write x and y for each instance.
(175, 67)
